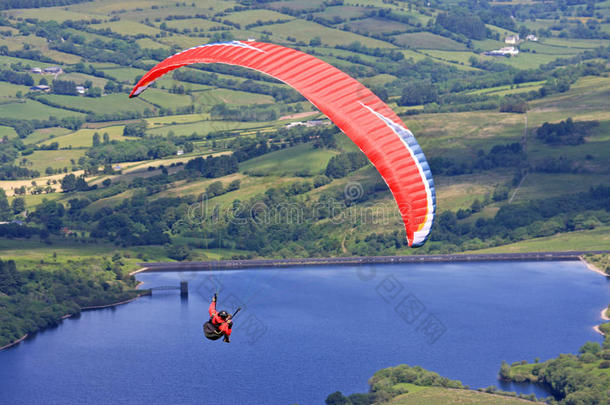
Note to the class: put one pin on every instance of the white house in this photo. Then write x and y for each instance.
(512, 39)
(80, 89)
(506, 51)
(532, 37)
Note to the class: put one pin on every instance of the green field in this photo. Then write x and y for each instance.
(45, 134)
(300, 158)
(501, 90)
(32, 251)
(9, 91)
(108, 104)
(176, 119)
(251, 16)
(83, 137)
(58, 14)
(306, 30)
(445, 396)
(296, 5)
(57, 159)
(376, 25)
(80, 78)
(205, 127)
(26, 109)
(455, 192)
(596, 239)
(7, 132)
(541, 185)
(545, 48)
(147, 43)
(122, 74)
(192, 23)
(166, 100)
(231, 97)
(125, 27)
(378, 80)
(344, 12)
(426, 40)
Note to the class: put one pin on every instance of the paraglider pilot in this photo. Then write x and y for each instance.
(219, 325)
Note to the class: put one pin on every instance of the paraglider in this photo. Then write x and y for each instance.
(220, 324)
(360, 114)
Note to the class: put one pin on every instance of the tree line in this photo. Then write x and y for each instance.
(35, 299)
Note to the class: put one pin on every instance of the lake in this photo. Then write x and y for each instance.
(309, 331)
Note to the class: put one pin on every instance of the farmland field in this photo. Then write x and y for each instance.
(307, 30)
(442, 396)
(44, 134)
(254, 16)
(7, 132)
(26, 109)
(192, 23)
(297, 5)
(126, 75)
(112, 103)
(163, 99)
(204, 127)
(302, 158)
(376, 25)
(424, 40)
(81, 78)
(231, 97)
(343, 12)
(9, 90)
(83, 137)
(56, 159)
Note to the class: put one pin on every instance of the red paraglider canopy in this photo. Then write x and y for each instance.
(359, 113)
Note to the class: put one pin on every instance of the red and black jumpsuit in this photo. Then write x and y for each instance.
(216, 327)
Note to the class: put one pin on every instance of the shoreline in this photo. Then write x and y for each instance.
(358, 260)
(593, 267)
(605, 317)
(16, 342)
(66, 316)
(116, 304)
(602, 314)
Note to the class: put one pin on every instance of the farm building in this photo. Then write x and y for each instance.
(512, 39)
(40, 87)
(506, 51)
(52, 70)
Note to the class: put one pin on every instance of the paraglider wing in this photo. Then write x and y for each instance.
(359, 113)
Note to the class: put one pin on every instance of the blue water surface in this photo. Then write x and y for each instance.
(307, 332)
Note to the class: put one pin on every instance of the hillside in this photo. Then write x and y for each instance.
(476, 116)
